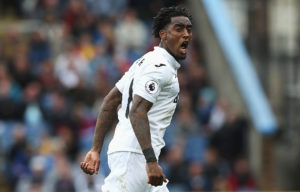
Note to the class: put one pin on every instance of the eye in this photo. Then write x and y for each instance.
(178, 29)
(189, 30)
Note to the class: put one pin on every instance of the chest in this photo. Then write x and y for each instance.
(172, 87)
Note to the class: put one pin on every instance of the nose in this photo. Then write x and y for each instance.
(186, 34)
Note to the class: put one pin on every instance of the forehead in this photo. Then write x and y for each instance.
(182, 20)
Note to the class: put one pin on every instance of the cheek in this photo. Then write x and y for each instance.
(173, 42)
(173, 45)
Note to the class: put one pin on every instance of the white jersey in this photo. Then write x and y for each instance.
(153, 77)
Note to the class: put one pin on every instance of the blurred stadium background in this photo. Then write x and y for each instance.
(234, 129)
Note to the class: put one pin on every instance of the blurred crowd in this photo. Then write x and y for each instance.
(59, 58)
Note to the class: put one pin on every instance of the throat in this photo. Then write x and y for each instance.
(163, 45)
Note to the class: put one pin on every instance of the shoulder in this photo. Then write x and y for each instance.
(154, 57)
(158, 70)
(158, 63)
(154, 65)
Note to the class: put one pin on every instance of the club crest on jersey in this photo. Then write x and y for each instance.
(151, 87)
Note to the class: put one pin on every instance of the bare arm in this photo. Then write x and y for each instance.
(106, 119)
(140, 123)
(139, 120)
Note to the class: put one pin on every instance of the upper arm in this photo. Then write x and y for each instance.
(114, 96)
(140, 105)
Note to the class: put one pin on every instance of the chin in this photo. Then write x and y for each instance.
(181, 57)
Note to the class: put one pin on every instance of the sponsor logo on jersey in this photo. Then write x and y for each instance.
(151, 87)
(160, 65)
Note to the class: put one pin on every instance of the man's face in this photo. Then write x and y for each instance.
(177, 36)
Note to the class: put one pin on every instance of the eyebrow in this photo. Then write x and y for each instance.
(183, 25)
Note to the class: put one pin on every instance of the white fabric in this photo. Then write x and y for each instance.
(128, 174)
(155, 79)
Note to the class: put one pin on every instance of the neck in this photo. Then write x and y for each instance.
(163, 45)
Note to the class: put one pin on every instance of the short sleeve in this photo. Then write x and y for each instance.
(122, 82)
(149, 83)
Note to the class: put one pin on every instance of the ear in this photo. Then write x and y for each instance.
(163, 34)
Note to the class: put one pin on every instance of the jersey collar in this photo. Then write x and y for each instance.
(169, 57)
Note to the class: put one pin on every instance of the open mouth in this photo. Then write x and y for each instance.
(184, 46)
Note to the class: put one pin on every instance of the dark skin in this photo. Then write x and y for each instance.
(140, 123)
(106, 119)
(172, 37)
(174, 34)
